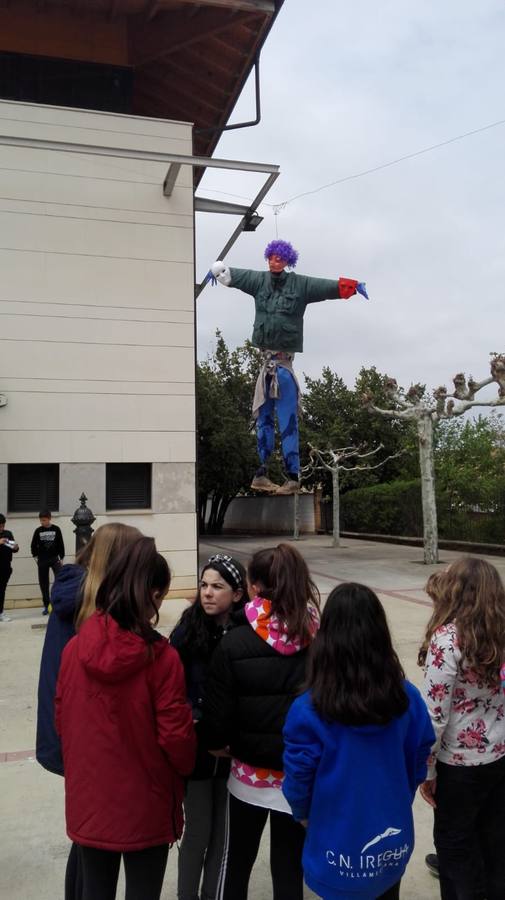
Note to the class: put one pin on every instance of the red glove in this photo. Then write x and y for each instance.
(347, 287)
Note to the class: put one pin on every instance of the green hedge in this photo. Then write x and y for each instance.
(473, 512)
(393, 508)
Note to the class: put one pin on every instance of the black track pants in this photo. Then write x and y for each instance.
(244, 827)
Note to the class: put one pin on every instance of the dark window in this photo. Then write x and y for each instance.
(128, 485)
(65, 82)
(33, 486)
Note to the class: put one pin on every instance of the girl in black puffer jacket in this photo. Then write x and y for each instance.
(198, 633)
(256, 673)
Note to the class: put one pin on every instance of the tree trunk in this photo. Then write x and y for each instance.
(296, 517)
(223, 506)
(214, 507)
(336, 507)
(430, 527)
(202, 509)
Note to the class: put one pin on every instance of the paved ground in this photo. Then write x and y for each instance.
(34, 847)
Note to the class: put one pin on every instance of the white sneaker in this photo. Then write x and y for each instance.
(4, 618)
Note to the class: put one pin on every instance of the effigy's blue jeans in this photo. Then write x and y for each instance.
(285, 407)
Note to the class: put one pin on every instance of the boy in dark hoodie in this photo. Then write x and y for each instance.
(48, 549)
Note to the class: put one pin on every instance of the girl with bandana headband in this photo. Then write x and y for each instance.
(195, 637)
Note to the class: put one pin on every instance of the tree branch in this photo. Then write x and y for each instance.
(408, 413)
(338, 455)
(369, 468)
(453, 410)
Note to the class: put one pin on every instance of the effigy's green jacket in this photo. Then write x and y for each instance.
(280, 302)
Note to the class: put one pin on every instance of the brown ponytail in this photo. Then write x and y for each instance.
(283, 577)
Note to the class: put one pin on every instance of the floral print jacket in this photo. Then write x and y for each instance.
(468, 714)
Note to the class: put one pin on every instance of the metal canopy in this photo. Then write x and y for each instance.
(250, 218)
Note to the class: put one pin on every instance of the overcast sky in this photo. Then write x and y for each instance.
(346, 87)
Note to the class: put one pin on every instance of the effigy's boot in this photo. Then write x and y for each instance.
(289, 487)
(262, 483)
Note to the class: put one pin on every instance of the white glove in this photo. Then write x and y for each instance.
(221, 272)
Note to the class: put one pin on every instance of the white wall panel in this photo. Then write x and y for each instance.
(102, 361)
(162, 445)
(83, 120)
(99, 412)
(89, 193)
(24, 580)
(94, 213)
(174, 536)
(95, 129)
(93, 168)
(29, 308)
(98, 281)
(97, 350)
(96, 386)
(62, 330)
(55, 234)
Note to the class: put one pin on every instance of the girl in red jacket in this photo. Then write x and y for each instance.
(126, 730)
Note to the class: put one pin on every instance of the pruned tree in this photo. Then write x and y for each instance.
(226, 448)
(426, 412)
(334, 461)
(333, 416)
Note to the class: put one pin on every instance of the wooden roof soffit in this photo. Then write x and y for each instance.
(153, 42)
(263, 6)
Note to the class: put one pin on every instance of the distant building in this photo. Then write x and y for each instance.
(97, 330)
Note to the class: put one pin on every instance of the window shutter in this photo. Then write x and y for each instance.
(33, 486)
(128, 485)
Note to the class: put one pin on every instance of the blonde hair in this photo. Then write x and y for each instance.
(472, 596)
(106, 543)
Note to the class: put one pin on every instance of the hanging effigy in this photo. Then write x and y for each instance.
(280, 298)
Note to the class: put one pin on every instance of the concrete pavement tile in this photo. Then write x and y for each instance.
(34, 846)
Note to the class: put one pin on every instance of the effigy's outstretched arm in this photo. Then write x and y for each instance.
(247, 280)
(317, 289)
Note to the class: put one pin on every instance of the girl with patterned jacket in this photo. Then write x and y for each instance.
(255, 674)
(463, 650)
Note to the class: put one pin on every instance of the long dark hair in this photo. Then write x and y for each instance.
(126, 593)
(354, 675)
(199, 627)
(284, 579)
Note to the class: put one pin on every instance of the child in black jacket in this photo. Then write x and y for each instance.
(198, 633)
(48, 549)
(8, 546)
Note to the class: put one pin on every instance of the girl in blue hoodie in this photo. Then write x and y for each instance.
(356, 747)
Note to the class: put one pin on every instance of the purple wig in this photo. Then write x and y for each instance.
(283, 249)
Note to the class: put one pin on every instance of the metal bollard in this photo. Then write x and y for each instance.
(83, 519)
